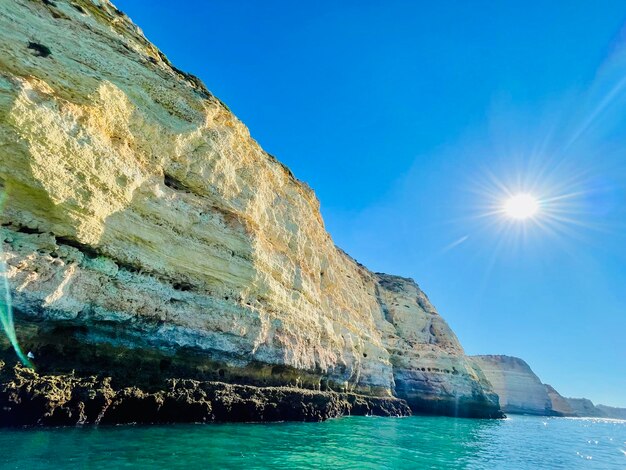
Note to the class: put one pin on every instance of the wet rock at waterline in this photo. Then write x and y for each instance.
(29, 399)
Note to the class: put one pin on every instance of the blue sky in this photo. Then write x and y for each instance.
(412, 122)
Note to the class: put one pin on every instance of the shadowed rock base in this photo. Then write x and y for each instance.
(30, 399)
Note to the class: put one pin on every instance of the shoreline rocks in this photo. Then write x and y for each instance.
(30, 399)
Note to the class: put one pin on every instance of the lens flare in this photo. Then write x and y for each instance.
(521, 206)
(6, 308)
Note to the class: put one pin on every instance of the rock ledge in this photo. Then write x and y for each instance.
(30, 399)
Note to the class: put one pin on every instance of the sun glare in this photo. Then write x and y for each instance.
(521, 206)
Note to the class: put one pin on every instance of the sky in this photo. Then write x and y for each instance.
(414, 122)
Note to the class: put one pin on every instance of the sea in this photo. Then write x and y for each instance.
(418, 442)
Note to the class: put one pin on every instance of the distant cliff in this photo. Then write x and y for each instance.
(521, 391)
(149, 238)
(559, 404)
(612, 411)
(584, 407)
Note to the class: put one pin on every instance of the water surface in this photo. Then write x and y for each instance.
(519, 442)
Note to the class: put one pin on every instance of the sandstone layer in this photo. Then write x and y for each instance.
(148, 237)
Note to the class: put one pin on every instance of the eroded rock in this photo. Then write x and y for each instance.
(30, 399)
(149, 237)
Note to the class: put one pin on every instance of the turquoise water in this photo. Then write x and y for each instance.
(519, 442)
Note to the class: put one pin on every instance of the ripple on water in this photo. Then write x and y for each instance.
(519, 442)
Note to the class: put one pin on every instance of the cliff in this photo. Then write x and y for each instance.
(584, 407)
(521, 391)
(149, 238)
(612, 411)
(559, 403)
(517, 386)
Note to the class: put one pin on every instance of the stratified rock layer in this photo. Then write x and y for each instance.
(147, 235)
(430, 369)
(519, 389)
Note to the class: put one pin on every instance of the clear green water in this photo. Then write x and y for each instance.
(357, 442)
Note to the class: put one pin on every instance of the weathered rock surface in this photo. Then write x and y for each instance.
(519, 389)
(28, 399)
(148, 236)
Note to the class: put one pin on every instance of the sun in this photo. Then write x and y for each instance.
(521, 206)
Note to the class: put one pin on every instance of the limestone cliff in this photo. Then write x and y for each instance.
(519, 389)
(148, 236)
(430, 368)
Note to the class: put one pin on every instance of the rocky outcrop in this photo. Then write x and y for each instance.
(430, 369)
(517, 386)
(147, 236)
(27, 399)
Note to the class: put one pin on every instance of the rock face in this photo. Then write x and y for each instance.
(30, 399)
(147, 236)
(519, 389)
(559, 404)
(585, 407)
(430, 369)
